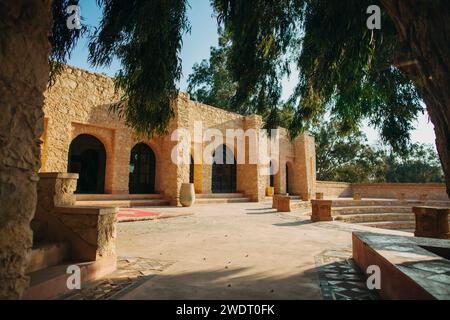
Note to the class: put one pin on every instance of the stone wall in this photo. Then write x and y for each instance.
(334, 189)
(78, 103)
(434, 191)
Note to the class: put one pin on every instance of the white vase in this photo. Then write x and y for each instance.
(187, 194)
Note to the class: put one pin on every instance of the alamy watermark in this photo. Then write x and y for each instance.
(374, 280)
(374, 20)
(73, 22)
(74, 280)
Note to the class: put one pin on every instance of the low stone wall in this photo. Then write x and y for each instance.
(334, 189)
(90, 231)
(434, 191)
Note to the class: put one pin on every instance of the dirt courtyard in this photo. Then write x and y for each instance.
(234, 251)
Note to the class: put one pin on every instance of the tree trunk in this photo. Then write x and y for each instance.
(24, 48)
(424, 56)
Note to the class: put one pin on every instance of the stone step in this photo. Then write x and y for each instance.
(370, 209)
(124, 203)
(366, 203)
(221, 200)
(114, 197)
(219, 195)
(44, 255)
(375, 217)
(51, 282)
(392, 225)
(388, 202)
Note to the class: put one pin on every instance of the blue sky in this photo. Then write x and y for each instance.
(196, 47)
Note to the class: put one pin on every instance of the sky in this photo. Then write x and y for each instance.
(196, 47)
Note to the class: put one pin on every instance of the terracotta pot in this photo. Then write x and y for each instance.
(270, 191)
(187, 194)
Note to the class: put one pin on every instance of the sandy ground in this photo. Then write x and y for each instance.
(232, 251)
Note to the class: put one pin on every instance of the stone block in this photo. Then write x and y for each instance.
(423, 197)
(284, 204)
(432, 222)
(357, 196)
(306, 197)
(321, 210)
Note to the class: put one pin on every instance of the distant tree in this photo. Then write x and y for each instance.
(211, 82)
(420, 164)
(349, 158)
(346, 158)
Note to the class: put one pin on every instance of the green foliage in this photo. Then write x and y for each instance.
(211, 82)
(420, 164)
(345, 69)
(146, 36)
(261, 34)
(349, 158)
(63, 40)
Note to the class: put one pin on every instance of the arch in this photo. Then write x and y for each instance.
(142, 170)
(223, 171)
(191, 170)
(271, 174)
(87, 157)
(288, 177)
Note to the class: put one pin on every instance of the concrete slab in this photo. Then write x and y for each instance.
(233, 251)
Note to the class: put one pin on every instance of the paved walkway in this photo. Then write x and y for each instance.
(238, 251)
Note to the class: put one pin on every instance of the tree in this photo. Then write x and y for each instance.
(346, 158)
(361, 74)
(345, 68)
(211, 82)
(24, 50)
(419, 165)
(349, 158)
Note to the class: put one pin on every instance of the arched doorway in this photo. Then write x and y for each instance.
(142, 170)
(191, 170)
(287, 179)
(87, 157)
(223, 171)
(272, 174)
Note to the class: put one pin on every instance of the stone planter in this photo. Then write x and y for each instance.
(270, 191)
(187, 194)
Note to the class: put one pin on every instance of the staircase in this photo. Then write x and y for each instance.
(48, 270)
(218, 198)
(121, 201)
(384, 214)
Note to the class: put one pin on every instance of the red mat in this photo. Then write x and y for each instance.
(137, 214)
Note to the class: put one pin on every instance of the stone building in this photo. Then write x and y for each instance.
(82, 136)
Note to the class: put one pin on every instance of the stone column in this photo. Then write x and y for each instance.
(123, 142)
(432, 222)
(304, 166)
(321, 210)
(251, 179)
